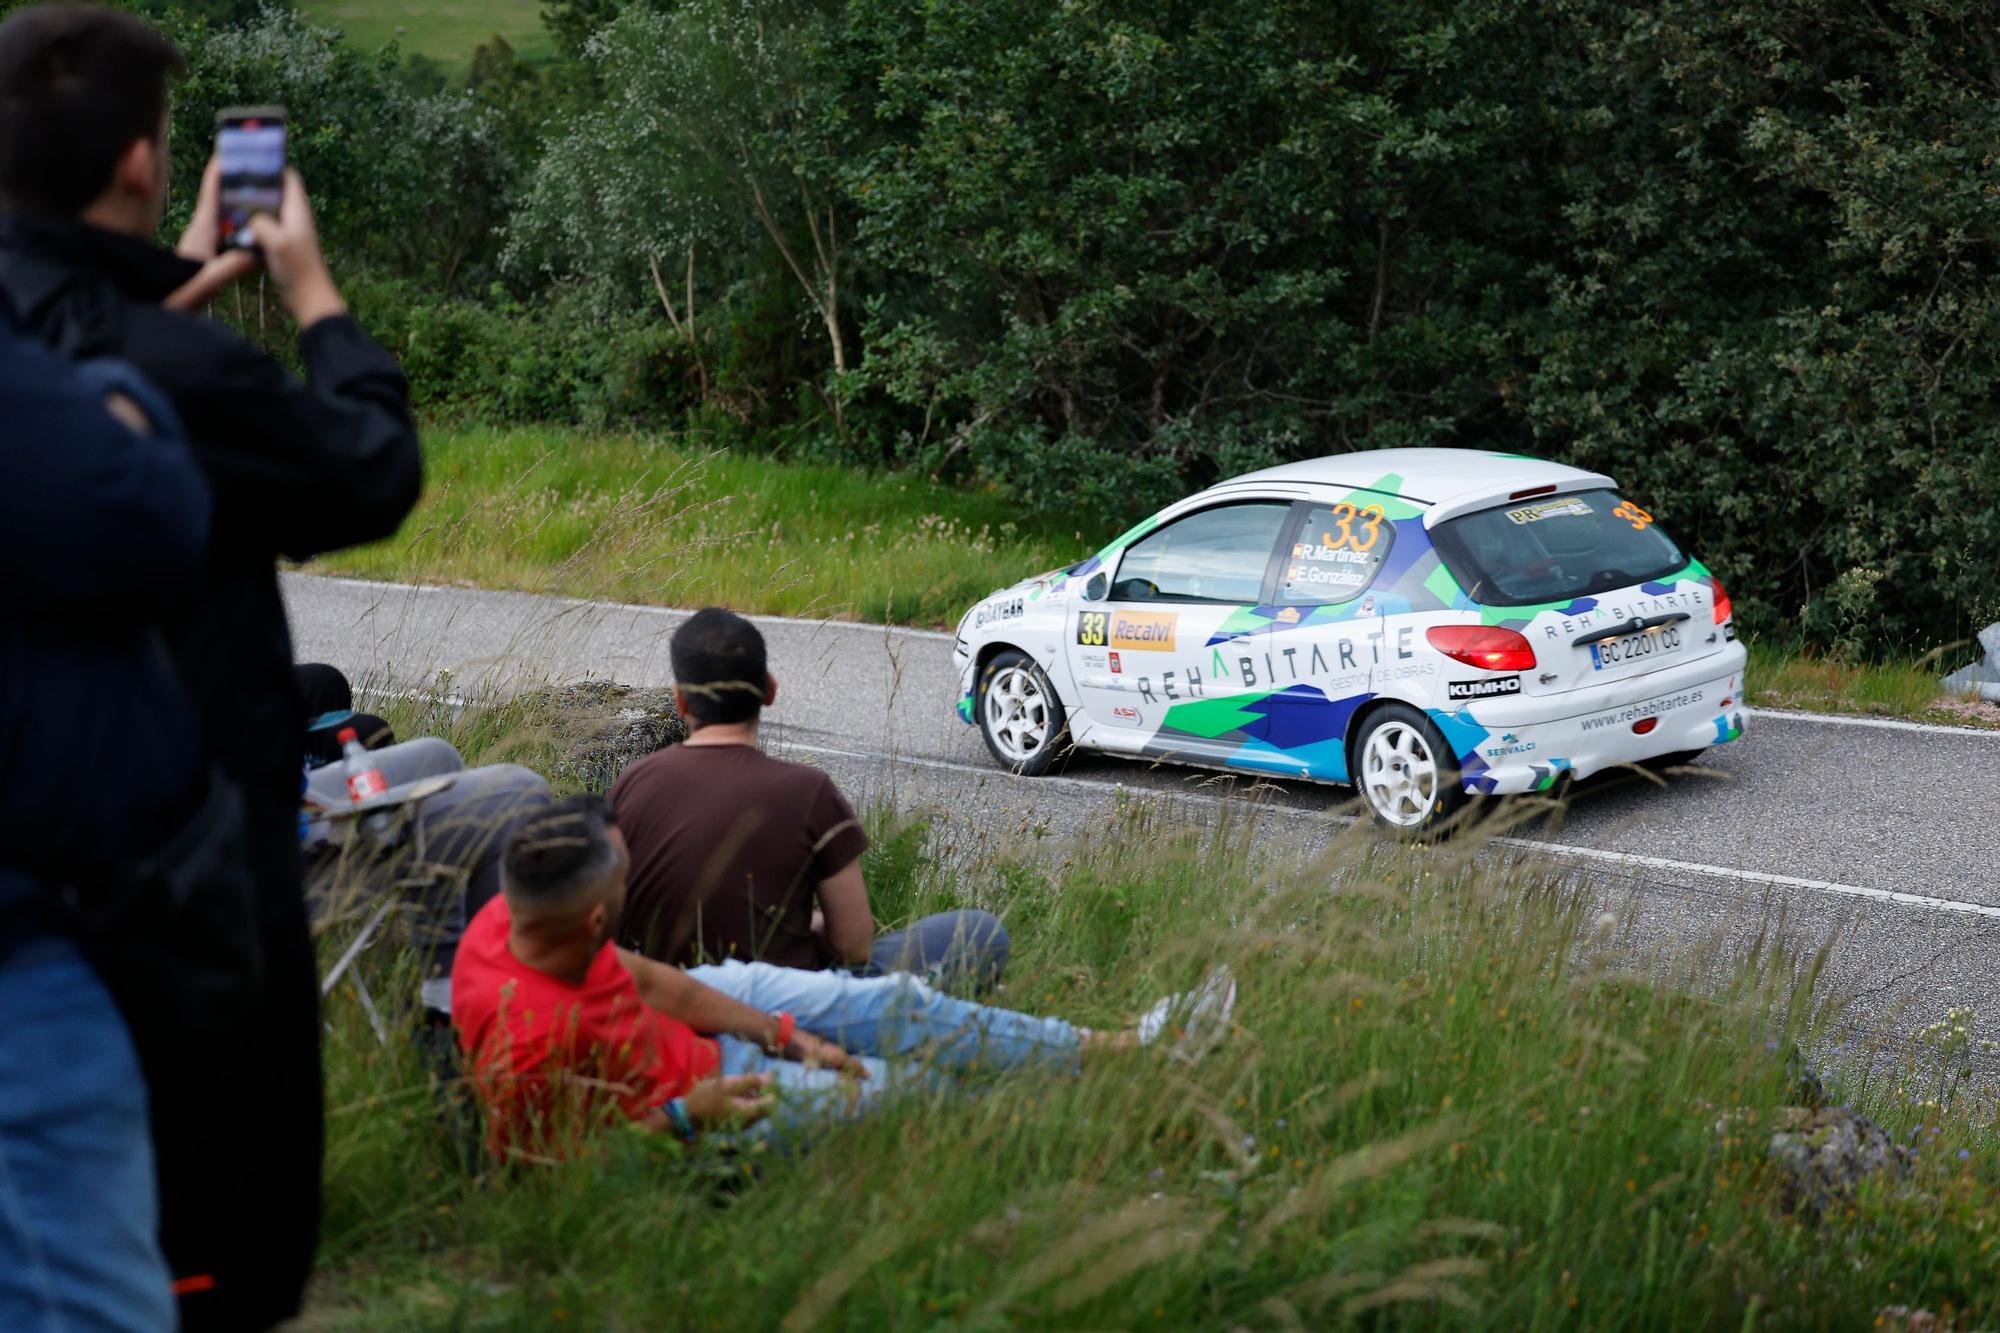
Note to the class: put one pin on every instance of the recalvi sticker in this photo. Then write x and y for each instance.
(1146, 631)
(1129, 631)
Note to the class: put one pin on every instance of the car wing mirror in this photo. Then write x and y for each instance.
(1100, 584)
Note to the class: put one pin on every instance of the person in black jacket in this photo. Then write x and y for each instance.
(97, 520)
(296, 469)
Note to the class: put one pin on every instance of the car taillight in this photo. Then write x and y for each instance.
(1723, 609)
(1483, 646)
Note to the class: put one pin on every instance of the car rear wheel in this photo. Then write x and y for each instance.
(1405, 772)
(1025, 726)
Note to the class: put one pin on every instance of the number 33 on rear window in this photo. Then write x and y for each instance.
(1631, 513)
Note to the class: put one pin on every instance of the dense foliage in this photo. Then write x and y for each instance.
(1093, 253)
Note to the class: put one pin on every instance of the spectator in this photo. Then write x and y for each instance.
(328, 702)
(739, 855)
(560, 1026)
(296, 469)
(96, 523)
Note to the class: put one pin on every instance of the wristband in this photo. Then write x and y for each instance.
(677, 1116)
(786, 1026)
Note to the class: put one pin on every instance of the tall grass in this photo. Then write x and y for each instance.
(644, 520)
(1456, 1093)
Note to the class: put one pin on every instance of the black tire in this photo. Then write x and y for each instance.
(1020, 715)
(1428, 792)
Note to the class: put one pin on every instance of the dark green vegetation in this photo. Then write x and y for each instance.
(1456, 1095)
(1740, 256)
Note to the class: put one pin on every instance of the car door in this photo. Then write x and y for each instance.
(1329, 643)
(1155, 657)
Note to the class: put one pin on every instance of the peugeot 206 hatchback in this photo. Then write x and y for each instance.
(1424, 624)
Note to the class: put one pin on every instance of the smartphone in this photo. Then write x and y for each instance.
(250, 144)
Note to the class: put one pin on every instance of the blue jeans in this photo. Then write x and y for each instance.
(966, 949)
(875, 1018)
(79, 1216)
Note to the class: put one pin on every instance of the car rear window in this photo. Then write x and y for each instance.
(1555, 547)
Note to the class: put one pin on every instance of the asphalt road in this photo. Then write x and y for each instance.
(1885, 837)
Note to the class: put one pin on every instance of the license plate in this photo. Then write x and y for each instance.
(1631, 647)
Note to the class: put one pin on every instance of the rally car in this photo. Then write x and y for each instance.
(1423, 624)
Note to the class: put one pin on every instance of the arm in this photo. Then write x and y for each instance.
(92, 511)
(678, 995)
(299, 468)
(850, 925)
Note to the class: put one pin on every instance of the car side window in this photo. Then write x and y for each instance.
(1335, 555)
(1214, 555)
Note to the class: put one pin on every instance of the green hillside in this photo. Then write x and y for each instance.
(444, 32)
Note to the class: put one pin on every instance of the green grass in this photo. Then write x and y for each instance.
(644, 520)
(446, 32)
(1455, 1096)
(1787, 676)
(640, 519)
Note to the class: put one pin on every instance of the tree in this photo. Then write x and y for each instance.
(703, 141)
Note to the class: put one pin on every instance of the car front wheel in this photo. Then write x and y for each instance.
(1405, 772)
(1019, 714)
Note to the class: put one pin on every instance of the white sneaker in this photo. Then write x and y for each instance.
(1197, 1018)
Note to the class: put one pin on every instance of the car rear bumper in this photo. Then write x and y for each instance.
(1527, 743)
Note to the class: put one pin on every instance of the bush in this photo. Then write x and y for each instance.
(557, 357)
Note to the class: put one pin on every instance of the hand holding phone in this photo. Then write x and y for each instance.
(250, 148)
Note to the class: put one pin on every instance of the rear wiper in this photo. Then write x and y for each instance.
(1636, 625)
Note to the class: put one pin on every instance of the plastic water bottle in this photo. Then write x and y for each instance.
(363, 778)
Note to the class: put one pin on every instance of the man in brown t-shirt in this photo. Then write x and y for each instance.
(739, 855)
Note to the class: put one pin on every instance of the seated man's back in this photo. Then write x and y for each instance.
(729, 848)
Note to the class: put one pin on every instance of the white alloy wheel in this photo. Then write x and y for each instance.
(1400, 774)
(1020, 718)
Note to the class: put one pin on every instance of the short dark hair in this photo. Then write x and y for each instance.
(559, 851)
(719, 665)
(78, 85)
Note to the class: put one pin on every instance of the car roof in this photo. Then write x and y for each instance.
(1447, 479)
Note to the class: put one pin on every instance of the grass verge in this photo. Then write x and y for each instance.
(1455, 1096)
(642, 520)
(634, 519)
(1785, 676)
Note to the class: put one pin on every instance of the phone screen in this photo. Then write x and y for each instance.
(251, 149)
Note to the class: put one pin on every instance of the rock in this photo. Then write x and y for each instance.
(1981, 678)
(1822, 1153)
(597, 727)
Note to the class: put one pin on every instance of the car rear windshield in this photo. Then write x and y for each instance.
(1555, 547)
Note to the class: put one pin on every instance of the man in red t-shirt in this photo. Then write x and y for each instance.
(563, 1029)
(739, 855)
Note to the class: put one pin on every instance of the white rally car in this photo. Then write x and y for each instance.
(1421, 623)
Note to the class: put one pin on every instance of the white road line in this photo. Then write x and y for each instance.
(634, 608)
(1876, 723)
(1626, 859)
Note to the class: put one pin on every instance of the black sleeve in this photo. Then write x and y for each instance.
(300, 469)
(91, 514)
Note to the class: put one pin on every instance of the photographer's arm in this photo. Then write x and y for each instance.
(299, 469)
